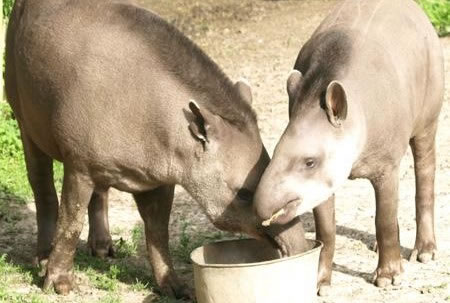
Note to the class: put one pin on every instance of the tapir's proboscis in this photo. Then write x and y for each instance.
(125, 100)
(367, 83)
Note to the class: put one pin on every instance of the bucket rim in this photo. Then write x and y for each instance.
(317, 247)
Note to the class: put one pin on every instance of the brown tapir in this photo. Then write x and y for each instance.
(107, 88)
(367, 83)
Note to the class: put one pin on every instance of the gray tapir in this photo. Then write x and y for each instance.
(367, 83)
(124, 100)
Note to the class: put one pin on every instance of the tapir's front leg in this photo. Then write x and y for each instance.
(324, 218)
(389, 266)
(154, 207)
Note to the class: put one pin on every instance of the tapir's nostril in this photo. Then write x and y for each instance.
(261, 206)
(245, 194)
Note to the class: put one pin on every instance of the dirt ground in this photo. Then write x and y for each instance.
(259, 40)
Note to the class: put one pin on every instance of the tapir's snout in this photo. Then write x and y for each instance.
(274, 206)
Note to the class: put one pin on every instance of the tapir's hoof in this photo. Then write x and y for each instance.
(103, 253)
(374, 246)
(62, 283)
(42, 268)
(397, 280)
(324, 280)
(423, 257)
(180, 292)
(384, 281)
(41, 264)
(101, 249)
(174, 289)
(41, 259)
(389, 274)
(324, 290)
(184, 292)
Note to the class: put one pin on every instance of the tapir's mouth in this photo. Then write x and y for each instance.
(277, 243)
(288, 239)
(285, 214)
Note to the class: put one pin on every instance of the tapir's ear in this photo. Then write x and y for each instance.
(200, 127)
(336, 103)
(244, 90)
(293, 83)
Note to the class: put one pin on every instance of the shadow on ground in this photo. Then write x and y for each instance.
(18, 243)
(18, 240)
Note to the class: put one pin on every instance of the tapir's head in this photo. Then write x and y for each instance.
(314, 155)
(227, 161)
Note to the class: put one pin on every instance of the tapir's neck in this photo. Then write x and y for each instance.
(356, 124)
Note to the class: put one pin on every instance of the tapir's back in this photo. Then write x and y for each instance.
(386, 20)
(88, 71)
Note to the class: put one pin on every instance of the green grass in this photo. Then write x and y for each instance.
(139, 286)
(105, 274)
(6, 8)
(128, 248)
(13, 175)
(104, 281)
(186, 244)
(439, 13)
(10, 277)
(111, 277)
(189, 241)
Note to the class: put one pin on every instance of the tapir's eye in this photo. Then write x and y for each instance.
(245, 194)
(310, 163)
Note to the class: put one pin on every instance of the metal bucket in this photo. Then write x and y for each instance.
(251, 271)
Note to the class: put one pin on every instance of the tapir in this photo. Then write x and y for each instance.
(368, 83)
(126, 101)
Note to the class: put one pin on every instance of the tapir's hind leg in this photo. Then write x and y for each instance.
(99, 240)
(40, 176)
(423, 149)
(154, 207)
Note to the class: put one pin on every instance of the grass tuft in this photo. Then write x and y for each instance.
(106, 274)
(439, 13)
(126, 248)
(189, 241)
(13, 177)
(13, 174)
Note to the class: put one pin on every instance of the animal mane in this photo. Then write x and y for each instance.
(184, 59)
(322, 60)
